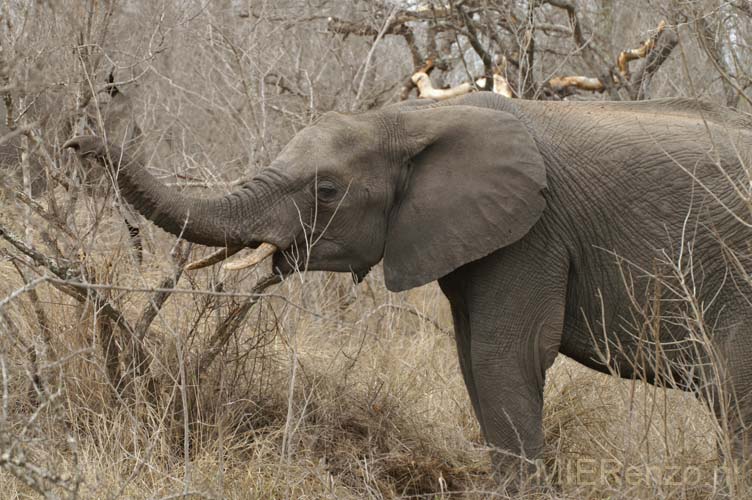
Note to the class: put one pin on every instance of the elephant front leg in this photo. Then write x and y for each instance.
(510, 402)
(516, 304)
(453, 291)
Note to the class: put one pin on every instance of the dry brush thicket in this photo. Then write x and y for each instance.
(121, 379)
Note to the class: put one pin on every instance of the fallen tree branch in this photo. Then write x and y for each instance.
(426, 90)
(501, 86)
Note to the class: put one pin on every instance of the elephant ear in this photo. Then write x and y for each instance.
(473, 185)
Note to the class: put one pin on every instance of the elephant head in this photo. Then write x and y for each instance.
(427, 188)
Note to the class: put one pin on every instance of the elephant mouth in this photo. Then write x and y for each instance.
(323, 255)
(284, 262)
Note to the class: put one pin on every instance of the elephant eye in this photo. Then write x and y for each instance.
(326, 191)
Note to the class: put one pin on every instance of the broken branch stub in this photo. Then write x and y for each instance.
(640, 52)
(563, 85)
(410, 84)
(426, 90)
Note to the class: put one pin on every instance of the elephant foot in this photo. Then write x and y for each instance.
(518, 476)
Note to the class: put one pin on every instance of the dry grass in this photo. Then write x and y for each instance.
(329, 391)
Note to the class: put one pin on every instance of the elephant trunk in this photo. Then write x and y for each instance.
(221, 221)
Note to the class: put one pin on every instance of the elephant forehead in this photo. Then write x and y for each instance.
(331, 143)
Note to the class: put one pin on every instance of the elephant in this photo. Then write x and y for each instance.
(114, 118)
(551, 227)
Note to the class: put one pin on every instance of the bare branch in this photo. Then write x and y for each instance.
(628, 55)
(71, 285)
(159, 298)
(526, 79)
(231, 323)
(395, 24)
(665, 41)
(472, 36)
(43, 213)
(590, 51)
(501, 86)
(426, 90)
(344, 27)
(712, 48)
(574, 20)
(562, 83)
(744, 5)
(409, 83)
(654, 50)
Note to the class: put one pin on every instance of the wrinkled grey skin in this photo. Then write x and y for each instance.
(112, 117)
(531, 216)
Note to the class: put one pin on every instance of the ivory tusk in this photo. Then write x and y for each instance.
(212, 259)
(257, 256)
